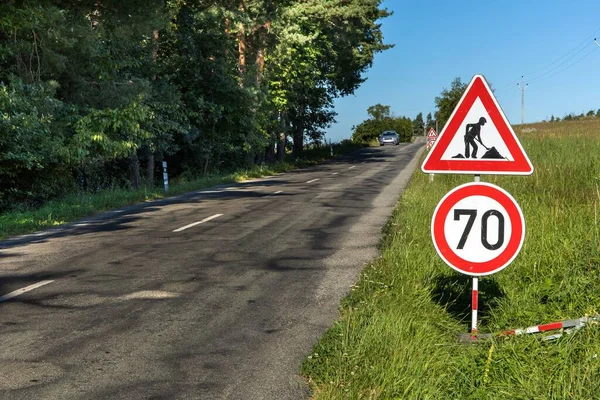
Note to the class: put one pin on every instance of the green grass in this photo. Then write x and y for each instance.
(396, 337)
(79, 205)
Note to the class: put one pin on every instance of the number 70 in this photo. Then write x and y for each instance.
(472, 214)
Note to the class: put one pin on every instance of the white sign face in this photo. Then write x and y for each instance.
(478, 229)
(489, 138)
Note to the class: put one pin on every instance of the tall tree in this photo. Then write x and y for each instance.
(380, 120)
(379, 112)
(208, 84)
(418, 125)
(323, 51)
(447, 101)
(429, 122)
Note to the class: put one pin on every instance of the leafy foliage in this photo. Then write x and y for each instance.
(418, 125)
(447, 101)
(380, 120)
(91, 89)
(33, 143)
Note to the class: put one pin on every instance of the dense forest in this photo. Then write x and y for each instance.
(96, 93)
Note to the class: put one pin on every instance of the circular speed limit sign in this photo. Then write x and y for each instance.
(478, 229)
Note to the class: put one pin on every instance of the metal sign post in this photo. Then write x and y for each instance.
(474, 294)
(478, 229)
(431, 137)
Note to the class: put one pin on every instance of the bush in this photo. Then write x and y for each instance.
(33, 151)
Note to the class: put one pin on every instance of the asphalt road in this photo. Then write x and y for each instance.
(137, 304)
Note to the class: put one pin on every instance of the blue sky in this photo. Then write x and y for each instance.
(550, 42)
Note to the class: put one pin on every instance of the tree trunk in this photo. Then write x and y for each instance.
(149, 152)
(281, 147)
(150, 170)
(205, 166)
(270, 151)
(261, 39)
(228, 34)
(134, 171)
(298, 135)
(241, 36)
(298, 139)
(260, 64)
(155, 46)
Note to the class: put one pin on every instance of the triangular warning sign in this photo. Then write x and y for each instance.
(477, 139)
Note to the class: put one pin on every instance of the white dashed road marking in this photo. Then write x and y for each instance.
(277, 192)
(183, 228)
(313, 180)
(26, 289)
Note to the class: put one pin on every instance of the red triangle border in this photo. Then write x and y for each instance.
(478, 88)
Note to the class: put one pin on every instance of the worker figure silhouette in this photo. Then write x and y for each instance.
(473, 132)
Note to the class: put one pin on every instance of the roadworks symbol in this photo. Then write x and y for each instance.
(472, 137)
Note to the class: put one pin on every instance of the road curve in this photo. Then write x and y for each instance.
(217, 294)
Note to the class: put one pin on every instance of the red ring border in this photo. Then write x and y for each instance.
(454, 260)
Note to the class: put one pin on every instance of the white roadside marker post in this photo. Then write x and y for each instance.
(165, 176)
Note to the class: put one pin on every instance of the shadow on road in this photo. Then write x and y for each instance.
(120, 220)
(9, 283)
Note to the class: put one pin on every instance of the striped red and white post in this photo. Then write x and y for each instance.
(568, 326)
(475, 295)
(571, 323)
(474, 299)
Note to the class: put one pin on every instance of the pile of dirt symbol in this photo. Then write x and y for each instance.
(490, 154)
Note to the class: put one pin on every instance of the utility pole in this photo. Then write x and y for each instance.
(522, 85)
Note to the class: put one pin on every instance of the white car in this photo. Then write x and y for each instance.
(389, 137)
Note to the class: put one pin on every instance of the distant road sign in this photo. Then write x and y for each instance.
(477, 139)
(478, 229)
(431, 137)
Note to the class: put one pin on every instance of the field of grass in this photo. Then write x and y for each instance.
(79, 205)
(396, 337)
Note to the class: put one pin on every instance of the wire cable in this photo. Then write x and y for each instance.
(544, 77)
(570, 55)
(562, 60)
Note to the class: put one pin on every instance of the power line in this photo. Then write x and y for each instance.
(550, 75)
(503, 88)
(566, 63)
(570, 54)
(562, 60)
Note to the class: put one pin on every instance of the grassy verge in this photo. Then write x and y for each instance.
(80, 205)
(396, 337)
